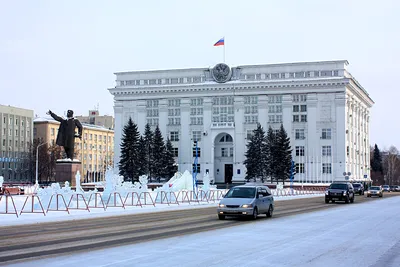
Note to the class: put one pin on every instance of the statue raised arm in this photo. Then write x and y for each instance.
(66, 132)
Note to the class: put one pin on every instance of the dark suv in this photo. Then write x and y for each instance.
(341, 191)
(358, 188)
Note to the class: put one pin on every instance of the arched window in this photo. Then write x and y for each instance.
(226, 139)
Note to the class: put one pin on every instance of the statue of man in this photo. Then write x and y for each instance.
(66, 132)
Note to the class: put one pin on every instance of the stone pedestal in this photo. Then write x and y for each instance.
(66, 171)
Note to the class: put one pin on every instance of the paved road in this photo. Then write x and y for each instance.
(41, 240)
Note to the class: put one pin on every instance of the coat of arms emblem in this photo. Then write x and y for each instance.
(221, 73)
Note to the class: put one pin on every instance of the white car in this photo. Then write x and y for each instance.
(246, 200)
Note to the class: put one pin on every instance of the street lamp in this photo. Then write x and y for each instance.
(37, 161)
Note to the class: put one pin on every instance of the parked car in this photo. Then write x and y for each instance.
(340, 191)
(393, 188)
(246, 200)
(386, 188)
(375, 191)
(397, 188)
(358, 188)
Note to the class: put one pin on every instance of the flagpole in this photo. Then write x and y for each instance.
(224, 49)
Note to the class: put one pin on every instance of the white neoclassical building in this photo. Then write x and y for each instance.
(323, 108)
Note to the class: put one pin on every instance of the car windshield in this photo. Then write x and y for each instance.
(356, 185)
(241, 192)
(374, 188)
(338, 186)
(385, 186)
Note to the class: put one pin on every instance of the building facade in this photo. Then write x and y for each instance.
(15, 137)
(95, 150)
(323, 108)
(95, 119)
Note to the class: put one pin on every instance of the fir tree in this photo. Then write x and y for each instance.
(148, 147)
(143, 167)
(128, 165)
(169, 161)
(158, 154)
(282, 156)
(376, 162)
(269, 152)
(255, 156)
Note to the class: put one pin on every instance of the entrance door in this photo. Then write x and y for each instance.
(228, 173)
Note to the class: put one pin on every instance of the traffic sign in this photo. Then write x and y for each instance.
(346, 177)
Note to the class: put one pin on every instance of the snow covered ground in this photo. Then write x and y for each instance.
(365, 234)
(28, 218)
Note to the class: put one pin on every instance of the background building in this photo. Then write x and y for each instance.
(15, 139)
(323, 108)
(95, 150)
(95, 119)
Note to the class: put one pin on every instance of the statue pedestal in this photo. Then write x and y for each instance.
(66, 171)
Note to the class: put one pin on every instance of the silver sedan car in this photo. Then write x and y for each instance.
(246, 200)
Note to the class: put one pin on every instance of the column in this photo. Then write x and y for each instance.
(312, 137)
(185, 137)
(207, 152)
(340, 150)
(239, 141)
(118, 109)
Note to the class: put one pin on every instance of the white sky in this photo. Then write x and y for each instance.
(366, 234)
(61, 55)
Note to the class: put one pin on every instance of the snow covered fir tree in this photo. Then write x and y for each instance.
(268, 156)
(145, 155)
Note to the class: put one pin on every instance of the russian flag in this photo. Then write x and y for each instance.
(220, 42)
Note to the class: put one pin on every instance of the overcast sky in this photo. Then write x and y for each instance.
(61, 55)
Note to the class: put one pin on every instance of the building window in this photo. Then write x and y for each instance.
(196, 101)
(326, 134)
(316, 73)
(196, 168)
(326, 151)
(299, 150)
(326, 73)
(52, 131)
(249, 134)
(299, 134)
(326, 168)
(223, 109)
(174, 136)
(174, 102)
(198, 152)
(303, 118)
(196, 135)
(299, 167)
(224, 152)
(175, 152)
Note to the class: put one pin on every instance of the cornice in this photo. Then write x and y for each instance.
(152, 91)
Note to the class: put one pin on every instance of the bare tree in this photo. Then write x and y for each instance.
(391, 165)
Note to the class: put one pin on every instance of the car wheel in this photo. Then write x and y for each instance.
(326, 201)
(352, 200)
(221, 217)
(380, 195)
(255, 214)
(270, 210)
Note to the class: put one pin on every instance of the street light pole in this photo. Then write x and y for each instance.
(37, 161)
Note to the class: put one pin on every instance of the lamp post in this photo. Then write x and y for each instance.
(37, 161)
